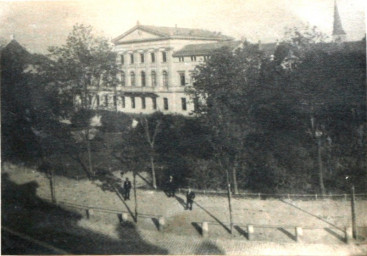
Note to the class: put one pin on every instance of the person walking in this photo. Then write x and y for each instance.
(190, 195)
(127, 188)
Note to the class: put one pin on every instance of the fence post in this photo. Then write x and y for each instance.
(204, 229)
(89, 213)
(289, 197)
(124, 217)
(250, 232)
(258, 194)
(316, 196)
(345, 197)
(348, 234)
(299, 234)
(354, 228)
(162, 223)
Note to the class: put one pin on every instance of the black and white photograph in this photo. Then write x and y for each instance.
(186, 127)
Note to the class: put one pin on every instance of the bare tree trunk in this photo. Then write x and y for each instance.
(52, 186)
(135, 199)
(234, 173)
(321, 176)
(90, 158)
(153, 172)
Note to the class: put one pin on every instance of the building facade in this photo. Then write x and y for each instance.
(156, 66)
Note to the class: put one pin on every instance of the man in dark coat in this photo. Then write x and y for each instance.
(190, 195)
(171, 186)
(127, 188)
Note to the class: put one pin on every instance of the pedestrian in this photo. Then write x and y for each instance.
(171, 187)
(190, 195)
(127, 187)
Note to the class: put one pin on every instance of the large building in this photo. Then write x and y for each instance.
(156, 66)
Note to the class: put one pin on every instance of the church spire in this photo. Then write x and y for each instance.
(338, 31)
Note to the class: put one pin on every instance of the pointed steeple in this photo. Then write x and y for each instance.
(338, 31)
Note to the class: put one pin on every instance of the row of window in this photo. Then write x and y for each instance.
(132, 100)
(193, 58)
(153, 76)
(142, 58)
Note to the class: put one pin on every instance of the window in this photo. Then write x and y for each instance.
(154, 79)
(132, 102)
(90, 97)
(183, 103)
(182, 78)
(142, 78)
(193, 58)
(131, 58)
(122, 58)
(165, 78)
(152, 56)
(143, 106)
(97, 98)
(123, 78)
(123, 101)
(164, 57)
(115, 101)
(181, 59)
(106, 100)
(206, 57)
(142, 57)
(165, 103)
(132, 78)
(154, 100)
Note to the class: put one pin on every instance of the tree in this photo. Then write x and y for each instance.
(222, 88)
(151, 132)
(80, 67)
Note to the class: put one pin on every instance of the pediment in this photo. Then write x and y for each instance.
(137, 35)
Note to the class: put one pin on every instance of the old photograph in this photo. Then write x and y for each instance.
(183, 127)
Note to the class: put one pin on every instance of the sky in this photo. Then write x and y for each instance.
(40, 24)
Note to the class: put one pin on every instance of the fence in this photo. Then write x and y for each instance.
(263, 196)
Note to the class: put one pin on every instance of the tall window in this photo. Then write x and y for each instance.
(132, 102)
(154, 100)
(165, 78)
(183, 103)
(142, 57)
(90, 97)
(164, 57)
(165, 103)
(152, 56)
(181, 59)
(182, 78)
(106, 100)
(114, 100)
(97, 99)
(131, 58)
(143, 105)
(142, 78)
(154, 79)
(132, 78)
(122, 58)
(123, 78)
(123, 101)
(193, 58)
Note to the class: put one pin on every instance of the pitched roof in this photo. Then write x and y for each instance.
(204, 49)
(177, 33)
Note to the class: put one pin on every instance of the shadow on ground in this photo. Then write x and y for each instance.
(24, 212)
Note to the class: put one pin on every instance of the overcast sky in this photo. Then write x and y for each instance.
(37, 25)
